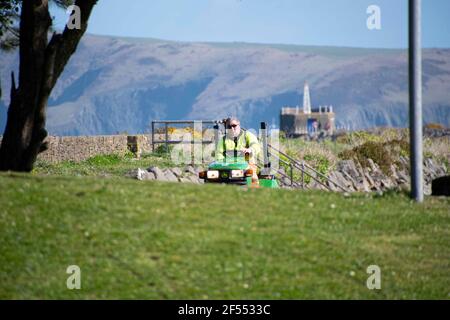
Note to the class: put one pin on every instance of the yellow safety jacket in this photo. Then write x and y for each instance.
(244, 140)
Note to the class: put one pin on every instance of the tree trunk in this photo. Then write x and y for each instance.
(41, 64)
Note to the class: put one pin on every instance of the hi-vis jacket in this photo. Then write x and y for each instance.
(245, 139)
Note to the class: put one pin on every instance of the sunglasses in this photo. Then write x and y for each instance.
(233, 126)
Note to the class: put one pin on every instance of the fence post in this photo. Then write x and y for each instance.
(167, 138)
(266, 167)
(153, 136)
(303, 174)
(291, 174)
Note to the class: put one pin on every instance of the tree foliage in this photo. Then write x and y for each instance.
(9, 15)
(9, 18)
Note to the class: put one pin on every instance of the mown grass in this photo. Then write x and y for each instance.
(156, 240)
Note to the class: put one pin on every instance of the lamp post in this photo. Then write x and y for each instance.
(415, 99)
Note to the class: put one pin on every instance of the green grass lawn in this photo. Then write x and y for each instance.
(109, 166)
(155, 240)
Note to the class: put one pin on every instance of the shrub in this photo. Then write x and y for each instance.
(296, 174)
(318, 162)
(357, 138)
(397, 147)
(369, 150)
(382, 153)
(162, 151)
(438, 148)
(104, 160)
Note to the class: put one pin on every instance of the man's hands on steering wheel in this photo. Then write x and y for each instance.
(247, 151)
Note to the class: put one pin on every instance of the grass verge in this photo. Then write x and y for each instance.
(154, 240)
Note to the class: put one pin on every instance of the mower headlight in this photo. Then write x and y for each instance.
(212, 174)
(237, 173)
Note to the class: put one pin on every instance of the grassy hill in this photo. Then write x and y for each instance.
(154, 240)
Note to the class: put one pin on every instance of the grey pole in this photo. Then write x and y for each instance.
(415, 99)
(153, 136)
(267, 169)
(216, 134)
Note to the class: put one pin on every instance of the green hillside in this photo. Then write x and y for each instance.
(155, 240)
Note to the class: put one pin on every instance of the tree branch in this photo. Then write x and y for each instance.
(71, 37)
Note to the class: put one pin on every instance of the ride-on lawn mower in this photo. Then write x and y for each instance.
(234, 169)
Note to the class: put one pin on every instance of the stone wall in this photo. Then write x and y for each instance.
(348, 174)
(354, 177)
(81, 148)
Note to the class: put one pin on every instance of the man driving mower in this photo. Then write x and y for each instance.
(236, 139)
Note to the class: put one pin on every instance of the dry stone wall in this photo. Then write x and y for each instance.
(82, 148)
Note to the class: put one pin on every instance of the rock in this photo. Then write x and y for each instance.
(150, 176)
(433, 170)
(373, 166)
(403, 177)
(330, 184)
(442, 170)
(404, 161)
(363, 185)
(427, 173)
(286, 181)
(355, 174)
(323, 187)
(386, 183)
(195, 180)
(429, 163)
(177, 172)
(141, 175)
(403, 187)
(376, 172)
(339, 178)
(394, 174)
(313, 184)
(169, 176)
(185, 180)
(441, 186)
(190, 169)
(159, 174)
(347, 166)
(352, 182)
(369, 180)
(427, 189)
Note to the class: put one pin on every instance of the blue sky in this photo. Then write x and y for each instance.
(307, 22)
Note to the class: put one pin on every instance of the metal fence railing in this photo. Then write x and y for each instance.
(270, 152)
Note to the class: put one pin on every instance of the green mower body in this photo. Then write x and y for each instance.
(235, 170)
